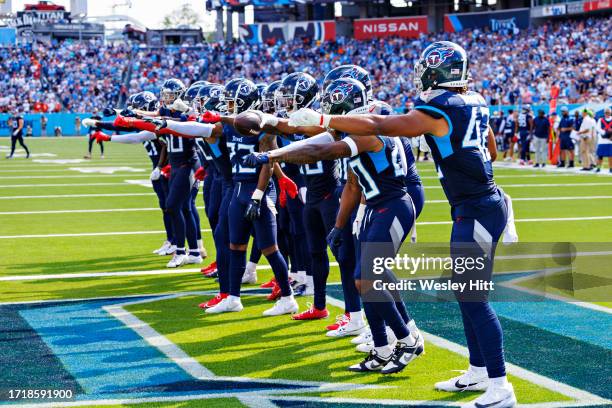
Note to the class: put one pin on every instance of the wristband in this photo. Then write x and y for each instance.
(325, 119)
(257, 195)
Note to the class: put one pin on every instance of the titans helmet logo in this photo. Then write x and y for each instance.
(303, 84)
(436, 57)
(339, 94)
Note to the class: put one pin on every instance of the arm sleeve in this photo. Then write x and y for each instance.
(321, 138)
(133, 138)
(109, 126)
(193, 129)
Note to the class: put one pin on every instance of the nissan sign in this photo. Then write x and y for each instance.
(408, 27)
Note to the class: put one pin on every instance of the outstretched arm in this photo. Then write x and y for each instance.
(411, 124)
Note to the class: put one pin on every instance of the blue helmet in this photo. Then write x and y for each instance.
(350, 71)
(297, 90)
(192, 92)
(267, 98)
(210, 98)
(146, 101)
(443, 64)
(171, 90)
(240, 95)
(344, 95)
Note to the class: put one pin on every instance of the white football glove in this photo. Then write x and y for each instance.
(268, 120)
(358, 220)
(308, 117)
(88, 122)
(302, 194)
(155, 174)
(15, 133)
(179, 105)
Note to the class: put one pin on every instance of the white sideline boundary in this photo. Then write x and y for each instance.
(263, 399)
(63, 185)
(77, 196)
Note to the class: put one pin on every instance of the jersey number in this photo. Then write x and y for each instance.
(236, 157)
(477, 130)
(175, 144)
(368, 186)
(312, 169)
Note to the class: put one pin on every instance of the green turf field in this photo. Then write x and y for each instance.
(85, 229)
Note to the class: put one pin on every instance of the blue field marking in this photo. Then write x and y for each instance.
(109, 360)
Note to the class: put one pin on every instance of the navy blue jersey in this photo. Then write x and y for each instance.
(205, 155)
(523, 123)
(181, 151)
(461, 157)
(15, 124)
(220, 158)
(412, 175)
(343, 167)
(321, 178)
(153, 148)
(509, 125)
(239, 147)
(382, 174)
(565, 122)
(291, 170)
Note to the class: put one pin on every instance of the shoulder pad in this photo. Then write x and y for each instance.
(427, 96)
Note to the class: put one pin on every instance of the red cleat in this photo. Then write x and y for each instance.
(209, 269)
(276, 292)
(214, 301)
(269, 284)
(340, 321)
(311, 314)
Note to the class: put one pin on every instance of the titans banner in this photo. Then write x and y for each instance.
(265, 32)
(495, 20)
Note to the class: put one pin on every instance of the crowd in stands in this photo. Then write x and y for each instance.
(561, 59)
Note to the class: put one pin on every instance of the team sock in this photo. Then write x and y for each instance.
(384, 351)
(281, 273)
(237, 266)
(180, 251)
(499, 382)
(320, 271)
(194, 252)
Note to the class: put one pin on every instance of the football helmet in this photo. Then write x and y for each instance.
(191, 93)
(210, 98)
(261, 87)
(240, 95)
(171, 90)
(267, 98)
(344, 95)
(443, 64)
(350, 71)
(296, 91)
(146, 101)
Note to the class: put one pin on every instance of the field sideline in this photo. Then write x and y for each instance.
(86, 306)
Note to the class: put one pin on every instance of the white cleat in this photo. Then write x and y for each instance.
(167, 251)
(177, 260)
(249, 277)
(163, 248)
(285, 305)
(369, 344)
(495, 397)
(193, 259)
(226, 305)
(468, 381)
(373, 362)
(364, 337)
(403, 354)
(350, 328)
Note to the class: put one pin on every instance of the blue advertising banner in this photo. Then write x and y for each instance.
(508, 20)
(65, 121)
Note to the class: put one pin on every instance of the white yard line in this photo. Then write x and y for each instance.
(67, 176)
(94, 234)
(63, 185)
(76, 196)
(543, 185)
(118, 273)
(106, 210)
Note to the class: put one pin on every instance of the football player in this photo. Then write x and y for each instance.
(455, 124)
(377, 171)
(525, 128)
(249, 208)
(156, 150)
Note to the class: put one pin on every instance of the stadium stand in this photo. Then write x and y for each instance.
(568, 59)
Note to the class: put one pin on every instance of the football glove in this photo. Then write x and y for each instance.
(89, 122)
(282, 199)
(334, 238)
(255, 159)
(288, 186)
(253, 210)
(358, 220)
(166, 170)
(155, 174)
(210, 117)
(200, 174)
(179, 105)
(308, 117)
(101, 137)
(108, 112)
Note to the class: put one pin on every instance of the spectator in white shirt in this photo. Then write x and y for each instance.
(587, 134)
